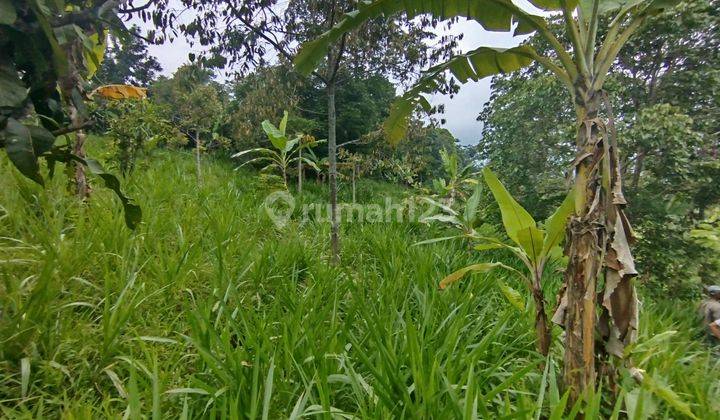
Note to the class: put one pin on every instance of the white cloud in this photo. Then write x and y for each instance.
(462, 110)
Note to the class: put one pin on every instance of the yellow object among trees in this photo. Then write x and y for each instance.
(120, 92)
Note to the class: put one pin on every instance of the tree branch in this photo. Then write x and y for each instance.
(136, 9)
(349, 142)
(86, 16)
(71, 129)
(275, 44)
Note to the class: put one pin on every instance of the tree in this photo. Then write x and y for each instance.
(48, 51)
(598, 231)
(127, 61)
(263, 95)
(134, 126)
(362, 104)
(391, 47)
(195, 101)
(535, 256)
(396, 47)
(527, 126)
(284, 154)
(528, 136)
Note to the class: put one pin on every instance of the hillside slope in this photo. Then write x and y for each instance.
(208, 310)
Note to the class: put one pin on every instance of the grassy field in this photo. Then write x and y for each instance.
(207, 310)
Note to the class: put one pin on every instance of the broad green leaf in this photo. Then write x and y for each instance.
(555, 224)
(13, 90)
(515, 218)
(283, 122)
(487, 247)
(277, 138)
(444, 218)
(493, 15)
(439, 205)
(290, 145)
(19, 148)
(531, 241)
(272, 161)
(435, 240)
(42, 139)
(459, 274)
(133, 213)
(553, 4)
(94, 54)
(7, 12)
(471, 206)
(256, 150)
(396, 124)
(311, 163)
(475, 65)
(512, 295)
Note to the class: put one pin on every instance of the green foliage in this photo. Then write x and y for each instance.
(127, 61)
(48, 51)
(263, 95)
(362, 104)
(663, 90)
(533, 246)
(136, 126)
(451, 185)
(528, 135)
(286, 150)
(192, 332)
(195, 103)
(416, 162)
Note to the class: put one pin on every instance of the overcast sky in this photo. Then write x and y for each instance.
(460, 112)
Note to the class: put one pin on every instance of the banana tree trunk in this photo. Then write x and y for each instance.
(598, 235)
(542, 327)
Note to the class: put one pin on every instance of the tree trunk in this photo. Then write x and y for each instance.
(300, 171)
(332, 175)
(586, 239)
(354, 173)
(638, 169)
(81, 183)
(542, 327)
(197, 157)
(598, 236)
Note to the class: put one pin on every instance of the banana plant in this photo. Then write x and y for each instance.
(533, 245)
(284, 155)
(466, 220)
(451, 187)
(599, 233)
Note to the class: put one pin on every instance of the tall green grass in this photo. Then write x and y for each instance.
(207, 310)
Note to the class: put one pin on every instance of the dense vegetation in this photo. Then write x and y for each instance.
(213, 312)
(283, 234)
